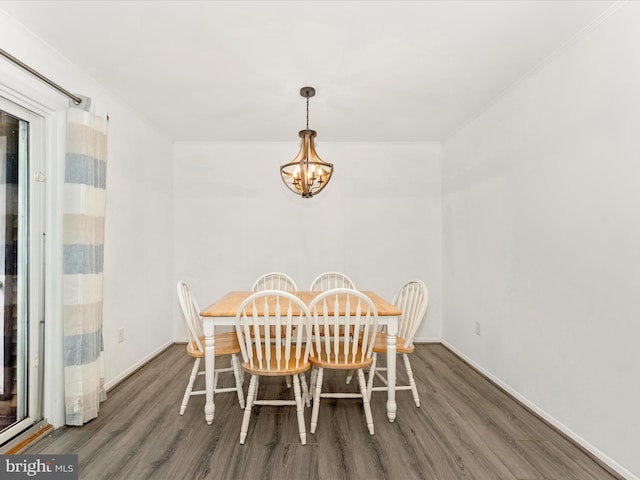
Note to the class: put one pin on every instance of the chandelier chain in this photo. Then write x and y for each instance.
(307, 113)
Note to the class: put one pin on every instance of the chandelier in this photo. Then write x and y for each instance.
(307, 174)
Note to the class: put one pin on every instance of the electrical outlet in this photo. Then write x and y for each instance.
(478, 329)
(120, 335)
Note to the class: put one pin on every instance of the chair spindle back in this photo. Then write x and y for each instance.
(412, 298)
(348, 332)
(329, 280)
(191, 314)
(273, 323)
(275, 281)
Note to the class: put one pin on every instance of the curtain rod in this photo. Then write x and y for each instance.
(77, 100)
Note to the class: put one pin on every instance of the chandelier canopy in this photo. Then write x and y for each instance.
(307, 174)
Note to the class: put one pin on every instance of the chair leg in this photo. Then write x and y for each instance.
(299, 409)
(187, 392)
(251, 396)
(412, 382)
(237, 373)
(365, 401)
(372, 373)
(312, 380)
(316, 400)
(305, 391)
(349, 376)
(288, 379)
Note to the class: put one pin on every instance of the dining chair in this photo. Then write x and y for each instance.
(275, 281)
(225, 344)
(329, 280)
(286, 354)
(412, 298)
(349, 332)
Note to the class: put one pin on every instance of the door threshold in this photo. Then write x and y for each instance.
(26, 438)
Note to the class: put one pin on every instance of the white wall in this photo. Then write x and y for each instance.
(541, 224)
(378, 220)
(138, 245)
(138, 240)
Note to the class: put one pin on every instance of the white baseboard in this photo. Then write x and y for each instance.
(613, 465)
(114, 381)
(427, 340)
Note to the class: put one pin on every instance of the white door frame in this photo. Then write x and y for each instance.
(51, 107)
(31, 203)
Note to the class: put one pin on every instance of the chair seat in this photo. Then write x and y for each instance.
(275, 368)
(381, 344)
(341, 363)
(226, 344)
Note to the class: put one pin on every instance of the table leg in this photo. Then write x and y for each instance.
(209, 368)
(392, 331)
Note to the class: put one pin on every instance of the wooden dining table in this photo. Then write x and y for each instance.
(223, 313)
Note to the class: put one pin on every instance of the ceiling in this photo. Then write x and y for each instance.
(232, 70)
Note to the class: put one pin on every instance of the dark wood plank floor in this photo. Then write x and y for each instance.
(467, 428)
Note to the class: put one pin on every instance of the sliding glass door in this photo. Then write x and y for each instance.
(21, 270)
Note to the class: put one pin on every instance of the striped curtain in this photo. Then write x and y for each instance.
(84, 209)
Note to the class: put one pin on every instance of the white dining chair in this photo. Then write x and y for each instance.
(342, 340)
(329, 280)
(275, 281)
(412, 299)
(287, 353)
(226, 344)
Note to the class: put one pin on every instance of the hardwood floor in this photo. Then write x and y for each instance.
(466, 428)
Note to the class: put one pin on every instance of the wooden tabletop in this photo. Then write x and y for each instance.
(228, 305)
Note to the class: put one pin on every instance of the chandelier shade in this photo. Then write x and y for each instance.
(307, 174)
